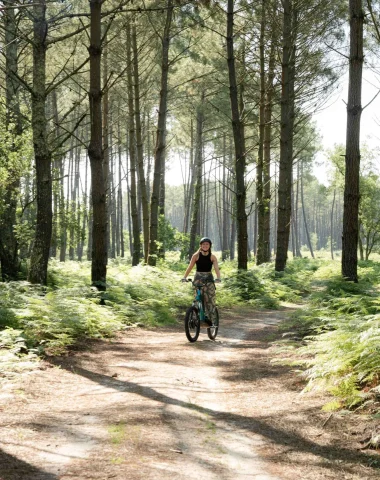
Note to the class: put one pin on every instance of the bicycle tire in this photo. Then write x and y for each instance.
(212, 332)
(192, 324)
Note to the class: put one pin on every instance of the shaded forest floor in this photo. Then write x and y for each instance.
(150, 405)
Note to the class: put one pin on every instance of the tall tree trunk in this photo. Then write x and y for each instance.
(286, 138)
(8, 243)
(225, 249)
(136, 249)
(354, 110)
(361, 249)
(139, 144)
(42, 155)
(119, 233)
(190, 190)
(275, 208)
(260, 206)
(255, 228)
(332, 227)
(73, 203)
(85, 213)
(149, 167)
(296, 216)
(106, 146)
(292, 221)
(159, 154)
(239, 141)
(267, 150)
(95, 153)
(304, 214)
(112, 197)
(69, 189)
(56, 169)
(195, 217)
(218, 209)
(161, 212)
(62, 209)
(130, 234)
(232, 182)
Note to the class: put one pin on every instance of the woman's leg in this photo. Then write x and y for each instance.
(209, 300)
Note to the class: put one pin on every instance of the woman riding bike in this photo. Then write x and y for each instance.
(204, 261)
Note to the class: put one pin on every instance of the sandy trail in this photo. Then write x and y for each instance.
(150, 405)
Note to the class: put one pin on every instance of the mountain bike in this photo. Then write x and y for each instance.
(196, 314)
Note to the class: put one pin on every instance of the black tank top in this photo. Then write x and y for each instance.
(204, 263)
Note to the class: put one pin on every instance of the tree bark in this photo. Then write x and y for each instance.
(9, 259)
(225, 249)
(130, 234)
(106, 146)
(296, 216)
(159, 154)
(136, 246)
(239, 141)
(112, 198)
(260, 206)
(361, 249)
(286, 138)
(56, 164)
(42, 155)
(267, 152)
(95, 153)
(304, 214)
(354, 109)
(190, 189)
(139, 145)
(120, 222)
(332, 227)
(195, 217)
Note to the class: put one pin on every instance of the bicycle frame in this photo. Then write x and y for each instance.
(199, 301)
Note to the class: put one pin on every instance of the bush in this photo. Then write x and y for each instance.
(52, 319)
(341, 329)
(262, 287)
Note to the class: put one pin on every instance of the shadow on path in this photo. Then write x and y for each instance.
(11, 468)
(254, 425)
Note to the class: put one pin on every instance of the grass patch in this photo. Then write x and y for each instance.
(117, 433)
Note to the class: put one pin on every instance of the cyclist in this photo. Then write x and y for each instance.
(204, 260)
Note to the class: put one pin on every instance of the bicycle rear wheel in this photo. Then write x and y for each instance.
(212, 331)
(192, 324)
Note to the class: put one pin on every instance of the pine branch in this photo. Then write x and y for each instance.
(69, 133)
(69, 35)
(53, 86)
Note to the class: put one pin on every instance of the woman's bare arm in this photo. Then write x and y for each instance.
(194, 258)
(216, 266)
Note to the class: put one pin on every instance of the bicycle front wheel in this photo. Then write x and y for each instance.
(212, 331)
(192, 324)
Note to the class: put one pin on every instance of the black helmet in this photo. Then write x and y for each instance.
(205, 239)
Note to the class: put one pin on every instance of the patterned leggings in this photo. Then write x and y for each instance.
(208, 292)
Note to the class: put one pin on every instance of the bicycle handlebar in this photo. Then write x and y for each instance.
(200, 284)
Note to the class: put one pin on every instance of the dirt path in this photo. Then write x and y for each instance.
(150, 405)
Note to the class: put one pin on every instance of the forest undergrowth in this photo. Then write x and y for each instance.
(334, 337)
(333, 340)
